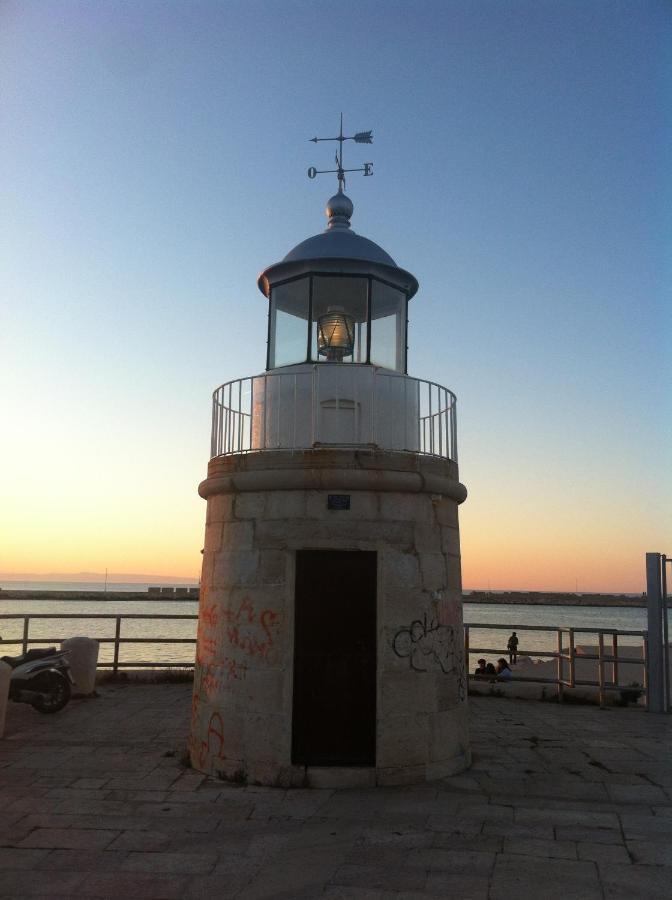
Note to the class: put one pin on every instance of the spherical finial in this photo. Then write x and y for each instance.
(339, 209)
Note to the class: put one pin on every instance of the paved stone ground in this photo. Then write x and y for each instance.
(561, 802)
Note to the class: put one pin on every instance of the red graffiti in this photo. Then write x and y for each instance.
(213, 745)
(195, 706)
(208, 646)
(216, 731)
(209, 615)
(234, 669)
(210, 684)
(239, 635)
(214, 678)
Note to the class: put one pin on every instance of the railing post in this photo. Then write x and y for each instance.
(406, 441)
(117, 635)
(666, 637)
(431, 423)
(466, 650)
(419, 401)
(655, 611)
(355, 396)
(439, 414)
(645, 673)
(265, 409)
(572, 668)
(560, 668)
(600, 667)
(614, 653)
(249, 443)
(374, 393)
(314, 388)
(240, 414)
(213, 427)
(26, 620)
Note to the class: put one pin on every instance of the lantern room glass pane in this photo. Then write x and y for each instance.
(340, 296)
(388, 327)
(289, 323)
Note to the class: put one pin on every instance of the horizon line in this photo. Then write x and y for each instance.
(142, 578)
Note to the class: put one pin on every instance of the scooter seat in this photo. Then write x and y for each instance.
(29, 656)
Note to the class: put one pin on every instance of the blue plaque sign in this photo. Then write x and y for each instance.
(338, 501)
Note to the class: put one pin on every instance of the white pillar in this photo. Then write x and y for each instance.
(5, 675)
(83, 659)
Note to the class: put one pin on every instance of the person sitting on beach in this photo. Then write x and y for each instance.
(479, 671)
(490, 672)
(504, 673)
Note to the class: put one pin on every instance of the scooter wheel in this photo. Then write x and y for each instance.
(55, 690)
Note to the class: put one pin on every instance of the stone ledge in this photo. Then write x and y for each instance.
(333, 470)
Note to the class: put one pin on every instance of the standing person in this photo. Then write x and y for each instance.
(512, 646)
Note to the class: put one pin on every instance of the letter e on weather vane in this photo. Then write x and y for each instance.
(361, 137)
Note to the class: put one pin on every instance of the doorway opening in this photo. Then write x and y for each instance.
(334, 709)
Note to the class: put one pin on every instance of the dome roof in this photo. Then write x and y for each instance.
(334, 244)
(338, 248)
(338, 240)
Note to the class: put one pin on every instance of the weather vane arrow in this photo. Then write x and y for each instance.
(361, 137)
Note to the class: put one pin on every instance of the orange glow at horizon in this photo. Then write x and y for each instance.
(138, 511)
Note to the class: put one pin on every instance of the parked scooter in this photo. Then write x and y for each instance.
(41, 678)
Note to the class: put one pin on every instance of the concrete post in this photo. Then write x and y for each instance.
(5, 675)
(654, 607)
(83, 659)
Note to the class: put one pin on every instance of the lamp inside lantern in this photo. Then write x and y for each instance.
(335, 334)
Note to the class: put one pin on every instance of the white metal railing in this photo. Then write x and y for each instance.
(566, 656)
(336, 406)
(609, 654)
(96, 629)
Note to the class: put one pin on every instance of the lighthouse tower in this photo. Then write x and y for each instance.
(330, 647)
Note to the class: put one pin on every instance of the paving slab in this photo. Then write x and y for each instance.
(69, 838)
(630, 882)
(552, 879)
(561, 801)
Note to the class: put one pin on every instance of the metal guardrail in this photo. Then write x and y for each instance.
(288, 410)
(117, 640)
(566, 657)
(608, 659)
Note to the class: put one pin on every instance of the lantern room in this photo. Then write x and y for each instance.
(337, 298)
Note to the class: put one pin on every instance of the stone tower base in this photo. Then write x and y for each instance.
(262, 508)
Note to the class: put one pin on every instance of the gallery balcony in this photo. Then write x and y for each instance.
(336, 406)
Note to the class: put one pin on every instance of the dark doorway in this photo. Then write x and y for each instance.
(334, 714)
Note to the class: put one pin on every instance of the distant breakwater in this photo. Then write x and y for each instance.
(513, 598)
(180, 594)
(548, 598)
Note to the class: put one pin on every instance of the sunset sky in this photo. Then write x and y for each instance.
(153, 160)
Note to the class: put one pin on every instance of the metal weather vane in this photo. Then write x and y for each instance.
(362, 137)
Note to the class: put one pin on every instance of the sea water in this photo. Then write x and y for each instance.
(52, 631)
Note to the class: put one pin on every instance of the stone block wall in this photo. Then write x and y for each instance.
(241, 724)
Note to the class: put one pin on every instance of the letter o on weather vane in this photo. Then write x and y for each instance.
(361, 137)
